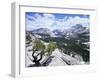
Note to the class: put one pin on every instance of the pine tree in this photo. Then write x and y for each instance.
(51, 47)
(38, 47)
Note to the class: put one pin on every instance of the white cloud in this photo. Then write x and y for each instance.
(51, 22)
(82, 21)
(50, 16)
(45, 20)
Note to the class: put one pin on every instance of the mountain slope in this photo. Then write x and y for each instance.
(60, 59)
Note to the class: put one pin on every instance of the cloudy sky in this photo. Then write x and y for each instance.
(54, 21)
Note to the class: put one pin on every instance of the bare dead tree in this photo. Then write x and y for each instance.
(36, 58)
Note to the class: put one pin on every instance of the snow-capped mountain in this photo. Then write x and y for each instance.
(74, 31)
(48, 32)
(42, 31)
(67, 33)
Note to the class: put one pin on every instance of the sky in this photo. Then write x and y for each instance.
(35, 20)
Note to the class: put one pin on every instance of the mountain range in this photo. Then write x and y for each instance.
(67, 33)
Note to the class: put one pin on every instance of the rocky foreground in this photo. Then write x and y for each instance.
(57, 58)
